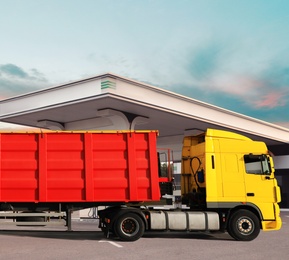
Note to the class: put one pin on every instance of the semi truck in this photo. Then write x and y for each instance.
(227, 182)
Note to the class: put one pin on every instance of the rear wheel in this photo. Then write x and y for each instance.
(244, 225)
(129, 227)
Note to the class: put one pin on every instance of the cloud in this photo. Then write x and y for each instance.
(254, 90)
(270, 100)
(14, 80)
(216, 68)
(13, 70)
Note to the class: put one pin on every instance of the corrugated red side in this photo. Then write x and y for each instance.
(79, 167)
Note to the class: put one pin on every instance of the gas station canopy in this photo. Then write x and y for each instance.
(110, 101)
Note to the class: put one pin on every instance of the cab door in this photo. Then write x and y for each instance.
(261, 186)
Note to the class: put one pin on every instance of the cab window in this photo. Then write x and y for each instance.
(257, 164)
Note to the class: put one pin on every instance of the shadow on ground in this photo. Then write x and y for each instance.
(98, 235)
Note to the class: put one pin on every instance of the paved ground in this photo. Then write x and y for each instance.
(87, 242)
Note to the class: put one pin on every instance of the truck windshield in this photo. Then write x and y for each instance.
(257, 164)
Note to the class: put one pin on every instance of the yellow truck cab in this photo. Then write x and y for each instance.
(233, 175)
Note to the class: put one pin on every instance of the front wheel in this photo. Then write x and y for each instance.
(129, 227)
(244, 225)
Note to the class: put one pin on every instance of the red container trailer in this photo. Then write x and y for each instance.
(78, 167)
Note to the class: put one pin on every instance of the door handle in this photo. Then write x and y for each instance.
(250, 194)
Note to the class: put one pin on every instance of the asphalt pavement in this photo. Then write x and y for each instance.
(86, 241)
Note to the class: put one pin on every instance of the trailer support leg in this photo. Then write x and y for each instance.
(68, 219)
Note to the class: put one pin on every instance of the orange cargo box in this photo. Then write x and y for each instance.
(79, 167)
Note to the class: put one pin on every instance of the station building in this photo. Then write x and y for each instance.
(109, 101)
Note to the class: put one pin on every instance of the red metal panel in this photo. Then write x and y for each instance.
(65, 167)
(110, 172)
(143, 171)
(132, 167)
(42, 166)
(89, 189)
(154, 178)
(19, 167)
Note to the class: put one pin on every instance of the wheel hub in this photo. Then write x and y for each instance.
(129, 226)
(245, 226)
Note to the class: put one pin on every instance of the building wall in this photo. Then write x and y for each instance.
(281, 161)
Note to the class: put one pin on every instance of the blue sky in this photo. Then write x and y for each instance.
(229, 53)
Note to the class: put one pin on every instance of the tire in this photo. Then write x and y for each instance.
(244, 225)
(129, 227)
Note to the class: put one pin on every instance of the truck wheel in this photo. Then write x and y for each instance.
(244, 225)
(129, 227)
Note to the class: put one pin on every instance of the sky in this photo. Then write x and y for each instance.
(229, 53)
